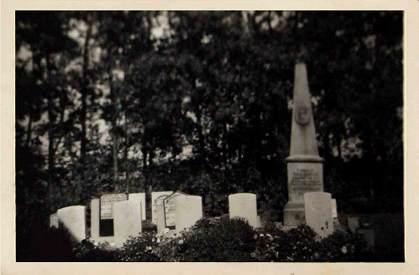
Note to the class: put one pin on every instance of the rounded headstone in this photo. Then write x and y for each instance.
(73, 218)
(188, 211)
(243, 205)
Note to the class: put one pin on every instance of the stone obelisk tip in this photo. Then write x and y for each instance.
(303, 134)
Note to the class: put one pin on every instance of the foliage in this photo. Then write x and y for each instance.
(201, 102)
(225, 240)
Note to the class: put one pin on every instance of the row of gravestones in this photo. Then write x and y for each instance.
(116, 217)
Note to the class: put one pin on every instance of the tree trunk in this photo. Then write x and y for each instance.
(51, 137)
(84, 92)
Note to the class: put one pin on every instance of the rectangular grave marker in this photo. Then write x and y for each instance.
(73, 218)
(106, 212)
(318, 212)
(127, 221)
(243, 205)
(169, 204)
(188, 211)
(160, 195)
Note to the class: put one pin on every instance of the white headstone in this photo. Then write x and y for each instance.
(53, 220)
(334, 208)
(258, 222)
(188, 211)
(243, 205)
(139, 198)
(94, 219)
(73, 218)
(154, 196)
(170, 209)
(161, 224)
(318, 212)
(127, 221)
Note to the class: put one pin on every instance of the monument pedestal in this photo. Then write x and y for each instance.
(294, 214)
(305, 174)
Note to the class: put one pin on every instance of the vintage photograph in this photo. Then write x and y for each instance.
(209, 136)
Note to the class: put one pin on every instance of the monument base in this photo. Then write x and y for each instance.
(294, 214)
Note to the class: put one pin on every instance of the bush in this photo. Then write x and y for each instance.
(226, 240)
(142, 248)
(86, 251)
(222, 241)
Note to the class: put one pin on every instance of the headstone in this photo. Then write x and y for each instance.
(106, 212)
(169, 204)
(157, 195)
(188, 211)
(258, 222)
(353, 223)
(53, 220)
(127, 221)
(334, 207)
(160, 220)
(94, 219)
(139, 198)
(73, 218)
(243, 205)
(318, 212)
(304, 165)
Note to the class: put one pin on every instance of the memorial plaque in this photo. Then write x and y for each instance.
(106, 202)
(106, 227)
(304, 177)
(170, 209)
(157, 198)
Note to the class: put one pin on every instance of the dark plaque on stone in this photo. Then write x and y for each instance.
(106, 215)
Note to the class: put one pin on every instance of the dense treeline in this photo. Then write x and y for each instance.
(201, 102)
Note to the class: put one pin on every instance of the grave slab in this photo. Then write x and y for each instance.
(73, 218)
(243, 205)
(139, 198)
(318, 212)
(188, 211)
(127, 221)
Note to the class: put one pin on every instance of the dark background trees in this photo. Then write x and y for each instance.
(200, 102)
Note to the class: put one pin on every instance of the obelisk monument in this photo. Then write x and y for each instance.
(304, 165)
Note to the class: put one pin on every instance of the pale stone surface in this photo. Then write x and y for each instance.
(304, 177)
(258, 222)
(243, 205)
(73, 218)
(106, 203)
(188, 211)
(304, 165)
(353, 223)
(170, 209)
(334, 207)
(157, 195)
(95, 223)
(94, 219)
(53, 220)
(303, 133)
(139, 198)
(127, 221)
(160, 219)
(318, 212)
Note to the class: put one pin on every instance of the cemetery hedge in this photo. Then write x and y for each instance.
(217, 240)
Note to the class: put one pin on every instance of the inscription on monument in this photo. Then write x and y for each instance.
(106, 202)
(304, 177)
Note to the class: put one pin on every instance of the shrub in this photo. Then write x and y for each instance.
(221, 240)
(142, 248)
(86, 251)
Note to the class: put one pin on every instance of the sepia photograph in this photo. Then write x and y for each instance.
(209, 136)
